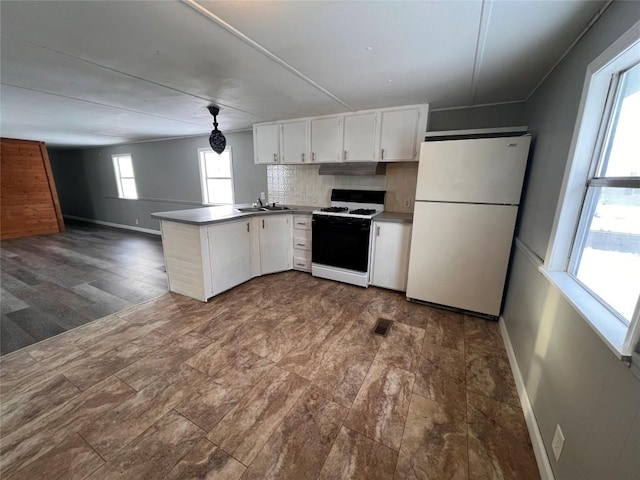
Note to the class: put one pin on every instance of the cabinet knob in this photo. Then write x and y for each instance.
(302, 156)
(313, 156)
(263, 223)
(377, 230)
(248, 227)
(275, 157)
(345, 154)
(382, 154)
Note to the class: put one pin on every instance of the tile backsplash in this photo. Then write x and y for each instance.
(302, 185)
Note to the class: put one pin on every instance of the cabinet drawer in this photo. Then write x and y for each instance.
(302, 243)
(301, 263)
(302, 222)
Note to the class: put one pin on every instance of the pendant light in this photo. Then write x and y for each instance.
(216, 139)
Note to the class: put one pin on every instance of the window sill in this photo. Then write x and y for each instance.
(604, 323)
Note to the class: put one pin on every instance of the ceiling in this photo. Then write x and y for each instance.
(106, 72)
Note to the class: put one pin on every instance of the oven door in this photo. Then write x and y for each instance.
(341, 242)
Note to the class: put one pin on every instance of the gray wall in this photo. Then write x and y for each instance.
(492, 116)
(167, 178)
(571, 377)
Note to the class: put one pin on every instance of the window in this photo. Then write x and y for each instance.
(215, 173)
(594, 256)
(125, 179)
(606, 252)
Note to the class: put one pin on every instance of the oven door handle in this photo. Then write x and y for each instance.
(336, 226)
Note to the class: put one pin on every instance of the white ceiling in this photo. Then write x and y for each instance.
(106, 72)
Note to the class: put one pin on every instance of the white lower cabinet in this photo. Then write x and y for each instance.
(230, 254)
(390, 257)
(204, 261)
(301, 234)
(275, 243)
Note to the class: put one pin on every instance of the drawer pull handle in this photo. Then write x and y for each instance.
(299, 244)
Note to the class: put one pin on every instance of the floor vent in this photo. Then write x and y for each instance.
(382, 327)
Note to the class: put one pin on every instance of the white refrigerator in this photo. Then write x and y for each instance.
(465, 212)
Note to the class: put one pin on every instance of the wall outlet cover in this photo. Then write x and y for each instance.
(557, 443)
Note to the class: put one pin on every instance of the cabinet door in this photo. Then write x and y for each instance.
(294, 142)
(230, 254)
(275, 243)
(398, 138)
(266, 143)
(390, 255)
(325, 139)
(359, 137)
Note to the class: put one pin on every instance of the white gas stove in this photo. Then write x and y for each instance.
(342, 236)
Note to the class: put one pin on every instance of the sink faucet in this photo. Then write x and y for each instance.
(260, 201)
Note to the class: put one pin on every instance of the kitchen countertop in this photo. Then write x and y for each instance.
(396, 217)
(223, 213)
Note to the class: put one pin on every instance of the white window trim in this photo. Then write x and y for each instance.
(616, 335)
(203, 176)
(119, 177)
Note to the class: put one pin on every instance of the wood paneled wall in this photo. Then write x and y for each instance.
(28, 196)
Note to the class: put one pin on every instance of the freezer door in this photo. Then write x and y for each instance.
(460, 254)
(487, 170)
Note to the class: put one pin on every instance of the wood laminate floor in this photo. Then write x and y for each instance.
(278, 378)
(52, 283)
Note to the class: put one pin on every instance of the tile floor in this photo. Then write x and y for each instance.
(278, 378)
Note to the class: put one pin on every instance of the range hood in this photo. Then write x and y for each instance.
(353, 168)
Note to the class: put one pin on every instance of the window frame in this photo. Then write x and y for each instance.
(119, 177)
(203, 175)
(589, 136)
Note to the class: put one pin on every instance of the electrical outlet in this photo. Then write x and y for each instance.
(137, 222)
(407, 202)
(263, 196)
(557, 443)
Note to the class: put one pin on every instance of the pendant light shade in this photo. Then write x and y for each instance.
(216, 139)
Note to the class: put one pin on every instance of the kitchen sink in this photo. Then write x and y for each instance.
(264, 208)
(275, 207)
(250, 209)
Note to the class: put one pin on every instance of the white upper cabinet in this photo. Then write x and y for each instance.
(275, 243)
(360, 137)
(293, 145)
(325, 140)
(398, 132)
(266, 143)
(387, 135)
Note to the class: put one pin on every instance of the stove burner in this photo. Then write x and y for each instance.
(363, 211)
(334, 209)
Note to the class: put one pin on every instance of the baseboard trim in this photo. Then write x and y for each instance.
(114, 225)
(542, 459)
